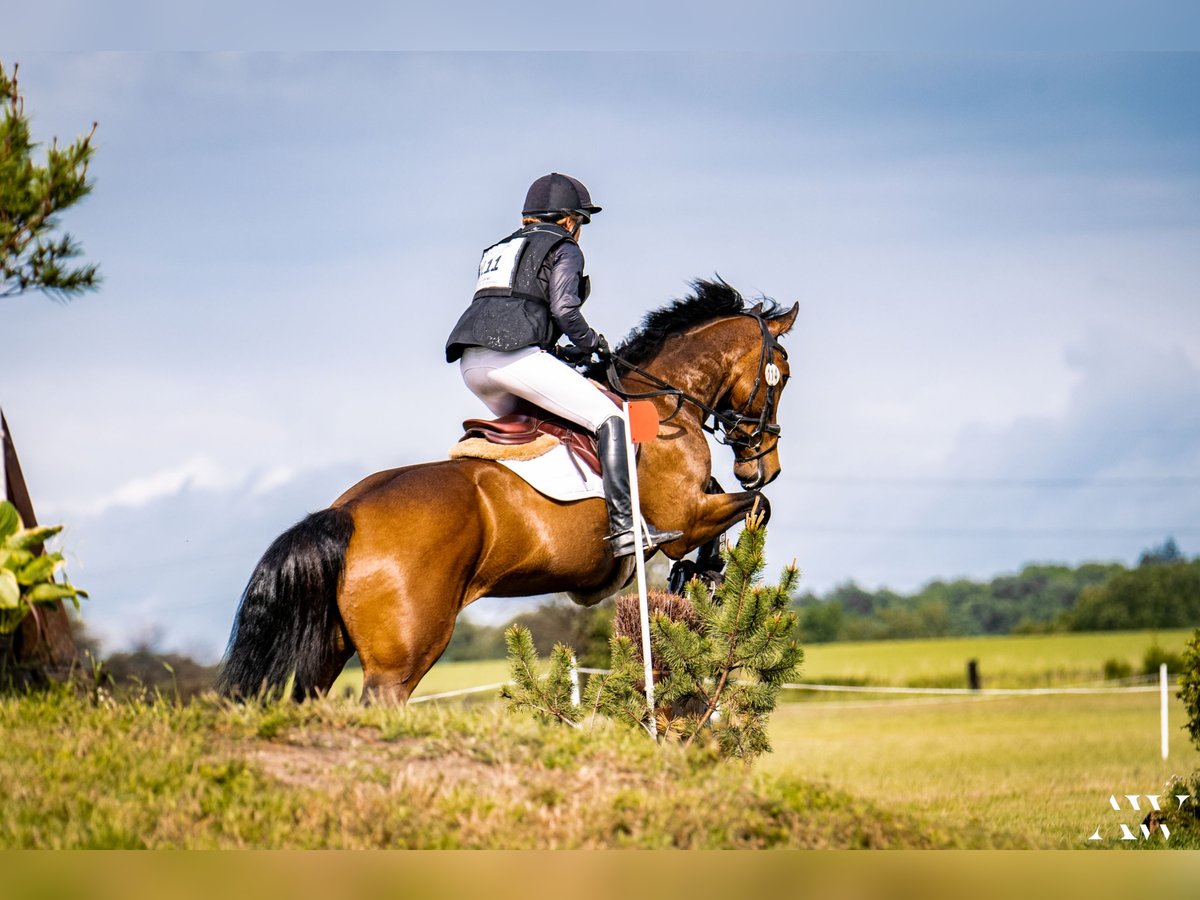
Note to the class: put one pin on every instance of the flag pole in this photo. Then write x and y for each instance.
(640, 563)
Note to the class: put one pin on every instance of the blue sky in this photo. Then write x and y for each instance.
(997, 357)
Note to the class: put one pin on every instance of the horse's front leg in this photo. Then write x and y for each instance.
(713, 515)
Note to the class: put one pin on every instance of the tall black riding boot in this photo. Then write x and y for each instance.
(615, 472)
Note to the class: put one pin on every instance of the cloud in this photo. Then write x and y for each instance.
(199, 473)
(1117, 470)
(171, 554)
(1135, 410)
(277, 293)
(755, 25)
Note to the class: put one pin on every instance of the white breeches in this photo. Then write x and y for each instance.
(499, 378)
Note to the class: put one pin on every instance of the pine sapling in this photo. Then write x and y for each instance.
(548, 697)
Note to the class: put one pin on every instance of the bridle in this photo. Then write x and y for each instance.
(725, 423)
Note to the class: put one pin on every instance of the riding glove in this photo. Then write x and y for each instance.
(572, 354)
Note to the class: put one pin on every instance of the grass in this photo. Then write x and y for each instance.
(1004, 661)
(846, 772)
(1009, 661)
(82, 774)
(1031, 771)
(448, 676)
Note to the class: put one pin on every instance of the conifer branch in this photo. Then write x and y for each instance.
(32, 257)
(728, 650)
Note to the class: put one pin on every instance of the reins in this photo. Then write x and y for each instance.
(723, 423)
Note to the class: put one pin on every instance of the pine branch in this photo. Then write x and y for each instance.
(31, 196)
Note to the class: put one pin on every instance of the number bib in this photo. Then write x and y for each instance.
(498, 267)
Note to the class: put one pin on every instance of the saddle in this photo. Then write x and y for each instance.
(538, 433)
(534, 430)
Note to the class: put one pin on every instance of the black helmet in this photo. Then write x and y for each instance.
(554, 196)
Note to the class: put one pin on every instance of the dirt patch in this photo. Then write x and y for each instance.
(329, 765)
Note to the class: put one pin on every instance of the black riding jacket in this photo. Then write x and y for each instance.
(538, 310)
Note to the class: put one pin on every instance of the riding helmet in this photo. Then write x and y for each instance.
(556, 195)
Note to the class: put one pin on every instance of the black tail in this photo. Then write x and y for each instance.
(288, 619)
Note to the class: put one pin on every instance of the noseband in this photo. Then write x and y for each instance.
(725, 423)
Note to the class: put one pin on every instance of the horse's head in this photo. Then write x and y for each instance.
(750, 407)
(714, 354)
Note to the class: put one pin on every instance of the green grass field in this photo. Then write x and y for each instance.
(1029, 771)
(1036, 770)
(1010, 661)
(849, 771)
(1004, 661)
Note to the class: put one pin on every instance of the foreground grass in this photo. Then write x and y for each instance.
(1025, 771)
(80, 774)
(1030, 771)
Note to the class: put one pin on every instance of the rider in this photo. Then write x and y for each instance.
(529, 293)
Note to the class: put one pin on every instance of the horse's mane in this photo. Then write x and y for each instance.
(709, 300)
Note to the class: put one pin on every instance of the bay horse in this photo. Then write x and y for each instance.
(386, 569)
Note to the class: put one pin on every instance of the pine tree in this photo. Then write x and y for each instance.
(736, 660)
(549, 697)
(1189, 687)
(34, 255)
(721, 670)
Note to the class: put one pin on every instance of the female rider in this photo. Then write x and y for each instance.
(529, 293)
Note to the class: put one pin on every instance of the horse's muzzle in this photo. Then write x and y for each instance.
(760, 479)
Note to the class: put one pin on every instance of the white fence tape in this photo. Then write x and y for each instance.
(869, 689)
(460, 693)
(967, 692)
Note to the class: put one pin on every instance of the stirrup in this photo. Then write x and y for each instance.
(622, 543)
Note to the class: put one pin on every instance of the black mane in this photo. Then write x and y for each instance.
(709, 300)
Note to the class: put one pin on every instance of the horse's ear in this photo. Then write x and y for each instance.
(783, 324)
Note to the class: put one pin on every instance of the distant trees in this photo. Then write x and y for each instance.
(1035, 599)
(554, 622)
(34, 254)
(1162, 593)
(1159, 595)
(1164, 554)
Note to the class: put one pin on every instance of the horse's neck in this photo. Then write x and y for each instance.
(701, 367)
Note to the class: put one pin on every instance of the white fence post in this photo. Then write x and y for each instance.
(574, 681)
(1162, 681)
(640, 562)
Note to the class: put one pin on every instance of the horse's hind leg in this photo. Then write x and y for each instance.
(417, 545)
(400, 624)
(393, 678)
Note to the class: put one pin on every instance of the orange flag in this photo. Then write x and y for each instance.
(643, 421)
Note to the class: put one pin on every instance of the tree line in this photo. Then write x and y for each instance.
(1161, 591)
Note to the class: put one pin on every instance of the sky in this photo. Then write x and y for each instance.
(996, 360)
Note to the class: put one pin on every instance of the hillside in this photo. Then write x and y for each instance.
(92, 773)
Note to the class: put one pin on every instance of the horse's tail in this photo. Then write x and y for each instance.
(288, 618)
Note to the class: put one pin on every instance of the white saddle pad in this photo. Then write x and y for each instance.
(556, 475)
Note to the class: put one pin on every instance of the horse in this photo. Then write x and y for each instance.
(385, 570)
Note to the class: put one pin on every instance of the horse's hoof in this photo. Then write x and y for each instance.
(681, 573)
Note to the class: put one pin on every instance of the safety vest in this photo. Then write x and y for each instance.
(510, 268)
(510, 308)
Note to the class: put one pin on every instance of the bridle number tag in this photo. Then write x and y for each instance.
(772, 374)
